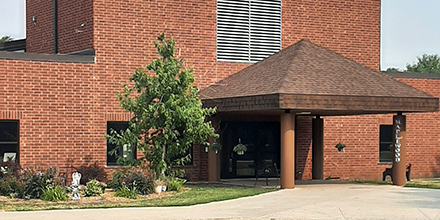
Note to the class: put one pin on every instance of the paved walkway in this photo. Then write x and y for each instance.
(316, 201)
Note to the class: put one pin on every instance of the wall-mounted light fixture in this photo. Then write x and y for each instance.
(34, 20)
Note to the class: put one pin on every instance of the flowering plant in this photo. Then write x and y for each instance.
(160, 182)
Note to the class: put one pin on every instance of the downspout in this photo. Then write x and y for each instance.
(55, 26)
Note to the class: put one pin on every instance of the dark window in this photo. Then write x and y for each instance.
(385, 143)
(9, 140)
(112, 159)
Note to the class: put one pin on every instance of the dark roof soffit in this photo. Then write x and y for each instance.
(46, 57)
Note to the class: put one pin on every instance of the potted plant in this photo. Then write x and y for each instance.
(340, 146)
(159, 185)
(240, 148)
(216, 147)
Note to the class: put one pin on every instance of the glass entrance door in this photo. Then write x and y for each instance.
(262, 140)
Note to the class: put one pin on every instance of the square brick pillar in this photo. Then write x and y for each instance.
(287, 150)
(399, 150)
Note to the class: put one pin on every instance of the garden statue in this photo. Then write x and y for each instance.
(75, 186)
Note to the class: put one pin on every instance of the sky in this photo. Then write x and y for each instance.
(409, 28)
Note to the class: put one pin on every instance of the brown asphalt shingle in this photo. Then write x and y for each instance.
(307, 69)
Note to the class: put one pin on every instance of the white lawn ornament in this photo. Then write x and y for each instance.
(76, 177)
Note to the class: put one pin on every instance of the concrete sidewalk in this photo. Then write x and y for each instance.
(317, 201)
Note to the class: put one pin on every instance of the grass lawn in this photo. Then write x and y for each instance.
(416, 183)
(195, 194)
(424, 183)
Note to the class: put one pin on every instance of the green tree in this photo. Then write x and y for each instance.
(167, 115)
(393, 69)
(5, 39)
(425, 64)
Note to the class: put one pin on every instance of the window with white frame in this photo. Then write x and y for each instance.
(248, 30)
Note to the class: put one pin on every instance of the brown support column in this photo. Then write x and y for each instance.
(214, 158)
(287, 150)
(399, 150)
(318, 148)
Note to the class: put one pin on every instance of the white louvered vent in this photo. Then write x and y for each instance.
(248, 30)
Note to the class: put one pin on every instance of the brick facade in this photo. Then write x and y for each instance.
(71, 14)
(360, 134)
(63, 107)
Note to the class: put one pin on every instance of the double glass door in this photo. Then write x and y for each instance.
(262, 140)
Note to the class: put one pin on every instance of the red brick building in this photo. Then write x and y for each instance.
(59, 107)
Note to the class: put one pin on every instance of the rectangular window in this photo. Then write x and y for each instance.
(9, 140)
(385, 143)
(112, 159)
(248, 30)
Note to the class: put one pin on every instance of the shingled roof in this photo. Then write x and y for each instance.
(307, 77)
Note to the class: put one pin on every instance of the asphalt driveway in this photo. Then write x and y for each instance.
(320, 201)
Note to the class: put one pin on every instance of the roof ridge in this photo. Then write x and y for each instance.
(297, 48)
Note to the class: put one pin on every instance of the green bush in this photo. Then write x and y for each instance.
(175, 184)
(94, 188)
(54, 194)
(36, 181)
(11, 187)
(92, 172)
(28, 183)
(127, 193)
(140, 180)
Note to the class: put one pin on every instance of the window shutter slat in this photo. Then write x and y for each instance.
(248, 30)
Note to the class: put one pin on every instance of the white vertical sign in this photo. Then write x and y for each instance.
(397, 142)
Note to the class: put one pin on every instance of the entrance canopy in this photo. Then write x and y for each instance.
(316, 81)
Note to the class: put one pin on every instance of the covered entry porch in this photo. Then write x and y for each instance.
(306, 79)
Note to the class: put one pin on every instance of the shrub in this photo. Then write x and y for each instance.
(28, 183)
(94, 188)
(127, 193)
(12, 187)
(36, 181)
(175, 184)
(140, 180)
(9, 168)
(92, 172)
(54, 194)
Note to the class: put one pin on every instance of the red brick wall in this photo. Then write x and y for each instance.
(350, 28)
(303, 153)
(55, 104)
(361, 136)
(71, 14)
(72, 102)
(122, 37)
(39, 37)
(423, 132)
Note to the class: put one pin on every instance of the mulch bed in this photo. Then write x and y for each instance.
(108, 196)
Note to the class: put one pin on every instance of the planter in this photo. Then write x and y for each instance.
(158, 189)
(240, 152)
